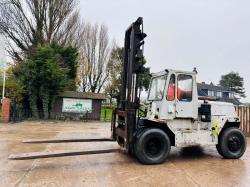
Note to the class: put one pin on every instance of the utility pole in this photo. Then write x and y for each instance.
(4, 79)
(2, 62)
(4, 76)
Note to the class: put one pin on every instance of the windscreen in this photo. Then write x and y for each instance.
(157, 88)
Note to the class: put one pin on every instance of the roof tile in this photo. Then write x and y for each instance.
(83, 95)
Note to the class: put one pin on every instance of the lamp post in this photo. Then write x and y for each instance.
(4, 75)
(2, 62)
(4, 79)
(6, 103)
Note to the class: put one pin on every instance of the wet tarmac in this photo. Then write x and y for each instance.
(184, 167)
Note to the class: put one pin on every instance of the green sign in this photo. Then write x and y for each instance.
(77, 105)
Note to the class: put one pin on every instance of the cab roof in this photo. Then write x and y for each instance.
(173, 71)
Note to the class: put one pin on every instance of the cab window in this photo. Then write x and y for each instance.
(157, 88)
(171, 88)
(185, 88)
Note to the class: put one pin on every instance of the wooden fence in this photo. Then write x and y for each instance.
(244, 114)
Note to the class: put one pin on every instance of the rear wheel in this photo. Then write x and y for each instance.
(232, 143)
(152, 146)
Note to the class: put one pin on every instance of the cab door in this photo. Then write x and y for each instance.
(184, 96)
(168, 109)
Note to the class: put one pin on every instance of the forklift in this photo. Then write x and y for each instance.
(175, 115)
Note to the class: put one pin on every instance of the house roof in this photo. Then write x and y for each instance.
(83, 95)
(212, 87)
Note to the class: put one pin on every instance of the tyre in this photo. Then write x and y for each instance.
(232, 143)
(152, 146)
(131, 151)
(120, 141)
(132, 145)
(218, 149)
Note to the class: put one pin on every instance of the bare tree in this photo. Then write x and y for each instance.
(29, 23)
(82, 74)
(94, 51)
(113, 86)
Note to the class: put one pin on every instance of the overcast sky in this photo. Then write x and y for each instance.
(212, 35)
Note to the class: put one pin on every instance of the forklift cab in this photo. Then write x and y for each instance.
(173, 94)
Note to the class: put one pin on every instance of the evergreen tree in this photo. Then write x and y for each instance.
(235, 82)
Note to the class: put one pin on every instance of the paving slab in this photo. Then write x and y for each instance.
(184, 167)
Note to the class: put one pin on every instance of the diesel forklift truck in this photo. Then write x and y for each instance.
(175, 115)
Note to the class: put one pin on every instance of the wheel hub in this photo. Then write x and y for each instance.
(153, 147)
(234, 144)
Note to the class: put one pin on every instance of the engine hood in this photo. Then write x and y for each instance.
(221, 108)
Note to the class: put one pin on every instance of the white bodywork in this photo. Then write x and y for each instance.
(182, 117)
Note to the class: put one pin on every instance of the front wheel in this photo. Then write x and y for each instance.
(232, 143)
(152, 146)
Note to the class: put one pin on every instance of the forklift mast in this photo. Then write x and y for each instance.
(132, 64)
(125, 126)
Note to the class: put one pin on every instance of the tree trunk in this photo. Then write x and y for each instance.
(93, 89)
(45, 102)
(51, 104)
(33, 105)
(110, 101)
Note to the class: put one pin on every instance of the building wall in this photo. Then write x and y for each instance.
(95, 115)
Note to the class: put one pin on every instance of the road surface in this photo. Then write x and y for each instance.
(185, 167)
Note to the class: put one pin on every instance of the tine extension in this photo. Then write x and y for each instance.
(47, 154)
(68, 140)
